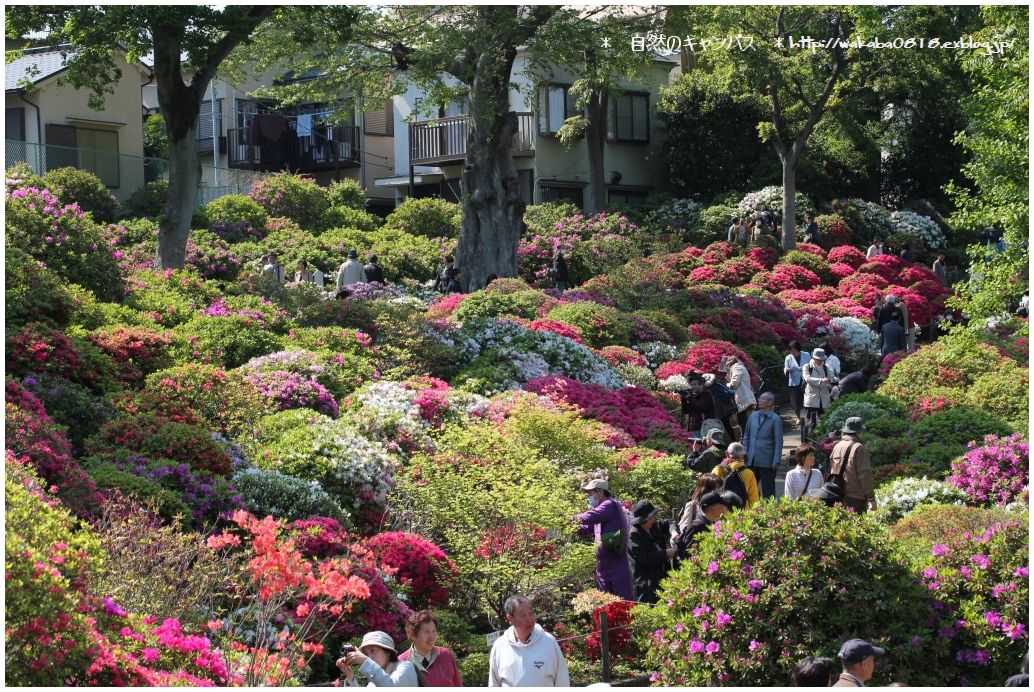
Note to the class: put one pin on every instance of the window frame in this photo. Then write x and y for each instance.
(570, 109)
(612, 113)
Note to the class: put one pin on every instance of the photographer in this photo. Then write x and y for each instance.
(379, 661)
(818, 384)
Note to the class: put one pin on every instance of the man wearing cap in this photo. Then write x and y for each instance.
(850, 460)
(713, 506)
(859, 660)
(650, 551)
(351, 271)
(703, 462)
(607, 523)
(818, 383)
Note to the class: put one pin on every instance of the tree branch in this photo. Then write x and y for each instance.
(227, 43)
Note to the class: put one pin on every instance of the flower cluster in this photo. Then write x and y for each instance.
(421, 566)
(285, 390)
(922, 227)
(899, 497)
(994, 473)
(770, 197)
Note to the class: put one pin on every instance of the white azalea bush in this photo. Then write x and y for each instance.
(772, 197)
(357, 472)
(678, 209)
(636, 375)
(675, 383)
(859, 339)
(502, 355)
(918, 226)
(265, 492)
(899, 497)
(657, 353)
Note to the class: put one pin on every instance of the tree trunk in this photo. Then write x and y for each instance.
(789, 210)
(493, 211)
(595, 140)
(184, 178)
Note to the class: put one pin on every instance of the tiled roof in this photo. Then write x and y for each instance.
(34, 65)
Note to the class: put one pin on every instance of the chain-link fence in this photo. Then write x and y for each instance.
(124, 174)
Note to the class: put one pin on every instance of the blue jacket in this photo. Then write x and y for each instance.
(763, 439)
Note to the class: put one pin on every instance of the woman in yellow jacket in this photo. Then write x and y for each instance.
(733, 463)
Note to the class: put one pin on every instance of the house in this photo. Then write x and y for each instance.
(255, 134)
(51, 125)
(547, 170)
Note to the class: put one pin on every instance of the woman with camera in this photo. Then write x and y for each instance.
(379, 661)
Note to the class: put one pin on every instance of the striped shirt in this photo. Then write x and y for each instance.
(796, 479)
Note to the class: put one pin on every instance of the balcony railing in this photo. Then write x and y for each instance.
(445, 140)
(327, 148)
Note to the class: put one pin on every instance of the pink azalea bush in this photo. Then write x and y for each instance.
(286, 390)
(846, 254)
(620, 355)
(994, 473)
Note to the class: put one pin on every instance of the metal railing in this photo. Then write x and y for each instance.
(445, 139)
(327, 148)
(124, 174)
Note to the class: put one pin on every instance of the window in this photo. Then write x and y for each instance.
(630, 118)
(556, 193)
(631, 198)
(204, 119)
(556, 105)
(61, 143)
(15, 124)
(381, 121)
(98, 152)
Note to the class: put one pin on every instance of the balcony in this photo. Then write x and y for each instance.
(444, 140)
(327, 148)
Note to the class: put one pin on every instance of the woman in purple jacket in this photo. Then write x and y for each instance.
(606, 515)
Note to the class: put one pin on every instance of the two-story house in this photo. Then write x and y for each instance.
(548, 171)
(51, 125)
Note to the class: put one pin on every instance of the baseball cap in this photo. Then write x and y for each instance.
(857, 650)
(596, 484)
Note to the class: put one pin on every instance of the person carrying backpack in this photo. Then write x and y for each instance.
(850, 479)
(737, 478)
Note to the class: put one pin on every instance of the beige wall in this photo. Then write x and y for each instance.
(61, 104)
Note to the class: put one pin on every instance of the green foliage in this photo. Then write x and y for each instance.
(173, 298)
(229, 341)
(949, 363)
(430, 217)
(346, 193)
(235, 209)
(600, 325)
(271, 493)
(541, 219)
(33, 294)
(91, 313)
(809, 261)
(714, 224)
(564, 438)
(698, 111)
(156, 138)
(503, 514)
(292, 196)
(169, 506)
(483, 304)
(958, 426)
(663, 480)
(349, 217)
(291, 244)
(219, 398)
(78, 186)
(1003, 393)
(789, 548)
(70, 404)
(147, 201)
(929, 525)
(401, 255)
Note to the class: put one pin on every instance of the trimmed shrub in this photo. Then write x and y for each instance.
(423, 568)
(995, 472)
(957, 426)
(148, 201)
(898, 498)
(1003, 393)
(929, 525)
(541, 219)
(78, 186)
(482, 304)
(155, 438)
(33, 294)
(108, 478)
(213, 395)
(271, 493)
(348, 217)
(706, 629)
(229, 341)
(430, 217)
(346, 193)
(599, 325)
(70, 405)
(235, 209)
(292, 196)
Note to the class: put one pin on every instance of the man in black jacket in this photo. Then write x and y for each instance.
(649, 545)
(374, 271)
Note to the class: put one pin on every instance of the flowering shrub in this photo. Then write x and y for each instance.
(856, 335)
(33, 294)
(994, 473)
(815, 263)
(772, 197)
(212, 394)
(138, 351)
(339, 371)
(70, 405)
(236, 209)
(922, 227)
(422, 567)
(957, 426)
(657, 353)
(896, 499)
(706, 631)
(706, 356)
(229, 341)
(211, 256)
(765, 256)
(620, 640)
(599, 325)
(846, 254)
(482, 304)
(37, 348)
(544, 324)
(1002, 393)
(431, 217)
(271, 493)
(980, 586)
(286, 390)
(64, 239)
(630, 409)
(835, 231)
(78, 186)
(292, 196)
(155, 438)
(620, 355)
(736, 271)
(938, 365)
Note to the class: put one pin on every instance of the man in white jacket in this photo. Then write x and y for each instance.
(526, 655)
(351, 272)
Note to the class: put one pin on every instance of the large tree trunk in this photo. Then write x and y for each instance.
(595, 139)
(493, 211)
(184, 178)
(789, 210)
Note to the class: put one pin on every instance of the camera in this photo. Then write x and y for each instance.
(346, 649)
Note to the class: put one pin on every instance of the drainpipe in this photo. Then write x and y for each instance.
(39, 132)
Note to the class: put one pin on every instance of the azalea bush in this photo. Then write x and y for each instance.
(921, 227)
(70, 405)
(772, 197)
(222, 340)
(599, 325)
(291, 196)
(706, 631)
(422, 567)
(153, 437)
(271, 493)
(217, 397)
(898, 498)
(78, 186)
(33, 294)
(236, 209)
(995, 472)
(431, 217)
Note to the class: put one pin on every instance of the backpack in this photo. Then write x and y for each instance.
(724, 399)
(835, 486)
(733, 482)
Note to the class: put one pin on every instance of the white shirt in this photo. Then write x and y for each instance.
(539, 662)
(874, 250)
(796, 480)
(404, 675)
(351, 272)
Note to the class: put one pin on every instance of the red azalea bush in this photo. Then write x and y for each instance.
(919, 308)
(707, 274)
(138, 351)
(819, 294)
(786, 332)
(153, 437)
(682, 263)
(704, 331)
(737, 271)
(706, 356)
(526, 540)
(445, 306)
(765, 256)
(320, 537)
(717, 252)
(841, 270)
(930, 290)
(885, 271)
(631, 409)
(620, 355)
(421, 566)
(544, 324)
(811, 249)
(848, 308)
(39, 348)
(620, 635)
(863, 288)
(846, 254)
(913, 273)
(221, 400)
(835, 231)
(792, 276)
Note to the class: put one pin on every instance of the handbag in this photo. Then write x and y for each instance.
(613, 541)
(835, 486)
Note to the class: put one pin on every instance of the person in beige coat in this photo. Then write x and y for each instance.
(818, 383)
(850, 460)
(739, 383)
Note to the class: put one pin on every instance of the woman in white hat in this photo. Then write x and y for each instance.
(818, 383)
(379, 661)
